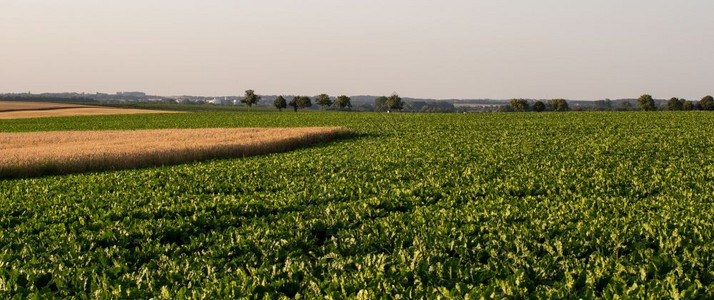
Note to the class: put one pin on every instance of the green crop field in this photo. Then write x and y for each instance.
(551, 205)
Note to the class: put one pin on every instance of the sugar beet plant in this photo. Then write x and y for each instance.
(578, 205)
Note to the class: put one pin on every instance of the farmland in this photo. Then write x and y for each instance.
(556, 205)
(22, 110)
(61, 152)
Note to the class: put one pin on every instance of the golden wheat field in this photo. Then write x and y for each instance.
(60, 152)
(21, 110)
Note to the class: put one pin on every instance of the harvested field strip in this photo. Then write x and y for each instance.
(22, 110)
(40, 108)
(22, 105)
(61, 152)
(88, 111)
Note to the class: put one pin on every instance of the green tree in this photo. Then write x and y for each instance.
(539, 106)
(250, 98)
(675, 104)
(280, 103)
(323, 100)
(342, 102)
(519, 104)
(558, 105)
(304, 102)
(380, 104)
(688, 105)
(394, 102)
(646, 103)
(707, 103)
(294, 103)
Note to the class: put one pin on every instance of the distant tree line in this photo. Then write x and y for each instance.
(380, 104)
(537, 106)
(395, 103)
(325, 102)
(647, 103)
(344, 103)
(644, 102)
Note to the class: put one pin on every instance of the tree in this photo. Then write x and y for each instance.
(707, 103)
(342, 102)
(394, 102)
(280, 103)
(539, 106)
(250, 98)
(646, 103)
(688, 105)
(380, 104)
(304, 102)
(294, 103)
(323, 100)
(675, 104)
(558, 105)
(519, 104)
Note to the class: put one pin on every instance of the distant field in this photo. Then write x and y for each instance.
(21, 110)
(6, 106)
(38, 153)
(190, 107)
(576, 205)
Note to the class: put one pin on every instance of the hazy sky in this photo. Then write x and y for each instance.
(585, 49)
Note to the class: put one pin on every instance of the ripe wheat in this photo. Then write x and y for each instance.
(59, 152)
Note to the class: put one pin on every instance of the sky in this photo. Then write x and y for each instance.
(498, 49)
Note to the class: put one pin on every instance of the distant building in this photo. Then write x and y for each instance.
(216, 101)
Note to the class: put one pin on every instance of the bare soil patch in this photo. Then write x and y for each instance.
(61, 152)
(21, 110)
